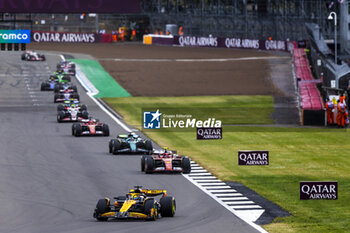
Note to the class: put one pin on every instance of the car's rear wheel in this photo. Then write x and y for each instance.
(149, 165)
(75, 88)
(148, 145)
(60, 116)
(83, 107)
(78, 130)
(84, 114)
(186, 165)
(167, 206)
(55, 98)
(60, 107)
(143, 161)
(56, 88)
(101, 208)
(42, 87)
(105, 130)
(111, 144)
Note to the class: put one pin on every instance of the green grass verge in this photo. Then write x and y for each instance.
(229, 109)
(295, 155)
(103, 82)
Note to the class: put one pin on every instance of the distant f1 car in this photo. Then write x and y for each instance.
(49, 84)
(90, 127)
(137, 204)
(165, 161)
(65, 95)
(71, 103)
(66, 86)
(131, 143)
(71, 113)
(67, 66)
(32, 56)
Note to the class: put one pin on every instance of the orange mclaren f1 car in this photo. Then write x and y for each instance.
(137, 204)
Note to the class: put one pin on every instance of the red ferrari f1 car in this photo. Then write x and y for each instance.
(165, 161)
(90, 127)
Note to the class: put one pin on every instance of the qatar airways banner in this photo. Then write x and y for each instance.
(65, 37)
(222, 42)
(71, 6)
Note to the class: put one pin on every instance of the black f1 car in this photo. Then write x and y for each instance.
(165, 161)
(65, 95)
(90, 127)
(49, 84)
(32, 56)
(131, 143)
(137, 204)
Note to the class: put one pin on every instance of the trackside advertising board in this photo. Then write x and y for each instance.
(14, 36)
(253, 157)
(70, 6)
(317, 190)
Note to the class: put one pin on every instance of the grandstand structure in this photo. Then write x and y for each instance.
(254, 19)
(251, 19)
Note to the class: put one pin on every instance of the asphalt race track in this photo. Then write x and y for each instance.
(50, 181)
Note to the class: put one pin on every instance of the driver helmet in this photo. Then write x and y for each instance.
(60, 71)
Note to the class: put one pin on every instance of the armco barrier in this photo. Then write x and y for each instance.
(312, 107)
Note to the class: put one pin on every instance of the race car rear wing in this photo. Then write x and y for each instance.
(150, 192)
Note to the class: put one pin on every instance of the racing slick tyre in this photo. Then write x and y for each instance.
(74, 88)
(60, 116)
(150, 205)
(43, 57)
(148, 145)
(84, 114)
(42, 87)
(77, 130)
(101, 208)
(60, 107)
(149, 164)
(110, 145)
(83, 107)
(56, 88)
(55, 98)
(186, 165)
(73, 129)
(116, 146)
(58, 66)
(72, 66)
(23, 57)
(105, 129)
(143, 162)
(167, 206)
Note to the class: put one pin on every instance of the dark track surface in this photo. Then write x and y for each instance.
(50, 181)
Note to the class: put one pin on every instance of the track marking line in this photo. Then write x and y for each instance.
(233, 198)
